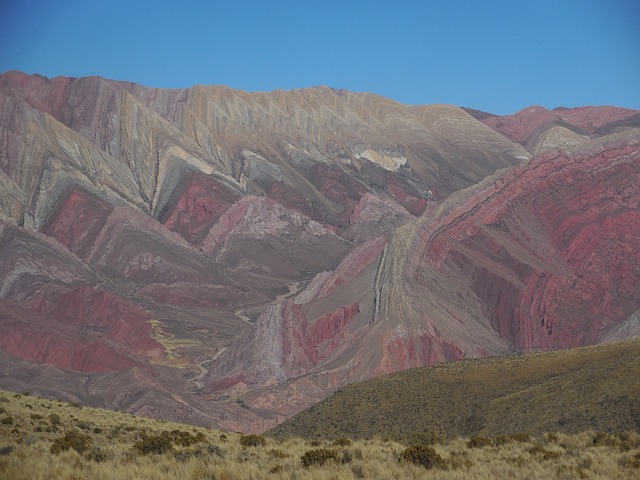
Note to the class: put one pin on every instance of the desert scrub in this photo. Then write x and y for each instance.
(55, 420)
(154, 444)
(422, 455)
(186, 439)
(252, 441)
(71, 440)
(8, 420)
(318, 457)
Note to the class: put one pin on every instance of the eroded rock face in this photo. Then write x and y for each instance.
(205, 244)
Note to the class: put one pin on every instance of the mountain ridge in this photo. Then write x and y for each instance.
(272, 247)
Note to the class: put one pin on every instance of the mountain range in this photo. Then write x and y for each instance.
(229, 258)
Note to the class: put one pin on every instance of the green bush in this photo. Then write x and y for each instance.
(155, 444)
(55, 420)
(84, 425)
(185, 439)
(252, 441)
(72, 440)
(318, 457)
(422, 455)
(7, 421)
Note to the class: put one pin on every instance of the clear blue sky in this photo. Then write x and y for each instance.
(497, 56)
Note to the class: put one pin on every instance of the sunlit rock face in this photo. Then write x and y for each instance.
(167, 251)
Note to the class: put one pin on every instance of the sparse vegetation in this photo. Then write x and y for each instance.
(117, 446)
(318, 457)
(252, 441)
(154, 444)
(566, 391)
(422, 455)
(73, 440)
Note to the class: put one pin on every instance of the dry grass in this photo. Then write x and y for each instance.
(198, 453)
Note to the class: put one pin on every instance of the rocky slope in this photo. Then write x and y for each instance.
(227, 257)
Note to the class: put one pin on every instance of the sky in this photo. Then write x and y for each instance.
(496, 56)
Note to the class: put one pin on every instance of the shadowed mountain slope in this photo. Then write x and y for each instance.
(568, 391)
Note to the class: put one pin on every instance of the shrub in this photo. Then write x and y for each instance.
(7, 421)
(55, 420)
(252, 441)
(155, 444)
(185, 439)
(422, 455)
(479, 442)
(84, 425)
(36, 416)
(6, 450)
(216, 450)
(4, 399)
(277, 468)
(318, 457)
(342, 442)
(98, 454)
(73, 440)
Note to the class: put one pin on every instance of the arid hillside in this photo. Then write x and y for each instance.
(569, 391)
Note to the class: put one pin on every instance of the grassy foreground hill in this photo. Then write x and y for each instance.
(46, 439)
(567, 391)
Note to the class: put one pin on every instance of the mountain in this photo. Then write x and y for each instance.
(566, 391)
(228, 258)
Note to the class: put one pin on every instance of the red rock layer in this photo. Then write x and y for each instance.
(201, 202)
(100, 314)
(552, 248)
(77, 220)
(29, 335)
